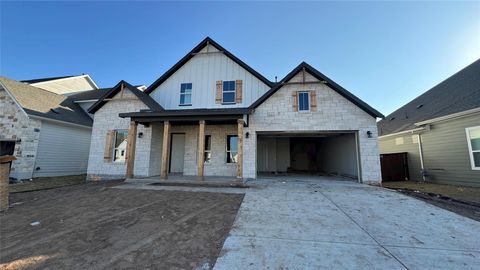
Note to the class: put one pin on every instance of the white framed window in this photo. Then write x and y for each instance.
(208, 149)
(232, 150)
(185, 94)
(473, 140)
(228, 92)
(303, 101)
(120, 145)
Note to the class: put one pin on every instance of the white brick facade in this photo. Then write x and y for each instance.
(334, 113)
(16, 126)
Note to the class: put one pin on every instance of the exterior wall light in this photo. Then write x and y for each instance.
(140, 135)
(369, 134)
(247, 135)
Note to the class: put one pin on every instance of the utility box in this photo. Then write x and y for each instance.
(4, 180)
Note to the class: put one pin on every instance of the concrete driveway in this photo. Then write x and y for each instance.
(313, 223)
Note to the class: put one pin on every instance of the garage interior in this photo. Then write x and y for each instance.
(333, 154)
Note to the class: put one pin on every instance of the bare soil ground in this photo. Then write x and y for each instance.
(47, 183)
(464, 201)
(91, 226)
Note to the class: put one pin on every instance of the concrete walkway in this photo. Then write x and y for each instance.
(320, 223)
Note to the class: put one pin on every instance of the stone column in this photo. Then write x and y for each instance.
(131, 143)
(4, 179)
(165, 150)
(201, 149)
(240, 149)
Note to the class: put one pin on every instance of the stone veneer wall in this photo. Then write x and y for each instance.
(15, 125)
(105, 119)
(334, 113)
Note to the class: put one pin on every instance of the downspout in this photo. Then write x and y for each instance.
(420, 151)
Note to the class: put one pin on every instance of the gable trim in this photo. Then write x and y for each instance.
(195, 51)
(86, 76)
(322, 79)
(146, 99)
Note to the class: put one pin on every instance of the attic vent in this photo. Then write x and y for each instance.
(54, 111)
(419, 106)
(392, 118)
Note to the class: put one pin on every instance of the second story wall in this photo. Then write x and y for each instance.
(67, 86)
(203, 71)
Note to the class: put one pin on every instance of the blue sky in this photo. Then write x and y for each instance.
(386, 53)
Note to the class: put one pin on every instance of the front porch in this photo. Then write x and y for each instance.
(202, 147)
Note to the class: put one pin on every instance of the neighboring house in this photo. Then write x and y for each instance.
(66, 85)
(439, 131)
(48, 133)
(213, 115)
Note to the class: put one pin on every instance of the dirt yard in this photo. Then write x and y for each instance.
(92, 226)
(47, 183)
(464, 201)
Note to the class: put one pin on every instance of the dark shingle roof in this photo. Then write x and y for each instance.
(458, 93)
(46, 79)
(90, 95)
(39, 102)
(146, 99)
(317, 74)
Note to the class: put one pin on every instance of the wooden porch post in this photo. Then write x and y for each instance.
(240, 149)
(201, 149)
(165, 150)
(131, 142)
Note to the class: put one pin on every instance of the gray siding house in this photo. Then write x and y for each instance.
(213, 115)
(440, 131)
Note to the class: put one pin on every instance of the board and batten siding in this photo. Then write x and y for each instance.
(62, 150)
(203, 71)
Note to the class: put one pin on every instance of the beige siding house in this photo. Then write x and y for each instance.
(211, 115)
(440, 131)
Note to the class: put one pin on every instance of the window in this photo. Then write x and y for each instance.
(228, 92)
(186, 94)
(473, 140)
(208, 148)
(232, 148)
(120, 144)
(303, 101)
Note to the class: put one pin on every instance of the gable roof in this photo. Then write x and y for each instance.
(38, 102)
(318, 75)
(90, 94)
(458, 93)
(197, 49)
(46, 79)
(146, 99)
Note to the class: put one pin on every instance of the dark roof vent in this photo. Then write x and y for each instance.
(54, 111)
(392, 118)
(419, 106)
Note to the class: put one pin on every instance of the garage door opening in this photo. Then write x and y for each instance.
(321, 154)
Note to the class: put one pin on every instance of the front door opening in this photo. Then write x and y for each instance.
(177, 153)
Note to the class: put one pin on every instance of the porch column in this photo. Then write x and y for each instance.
(165, 150)
(201, 149)
(131, 142)
(240, 149)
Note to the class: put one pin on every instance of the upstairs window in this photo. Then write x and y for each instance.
(232, 152)
(120, 144)
(473, 140)
(303, 101)
(185, 94)
(228, 93)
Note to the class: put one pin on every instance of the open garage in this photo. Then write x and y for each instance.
(314, 153)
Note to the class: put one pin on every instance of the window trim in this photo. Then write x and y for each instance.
(116, 148)
(205, 151)
(226, 148)
(234, 91)
(470, 149)
(308, 98)
(184, 94)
